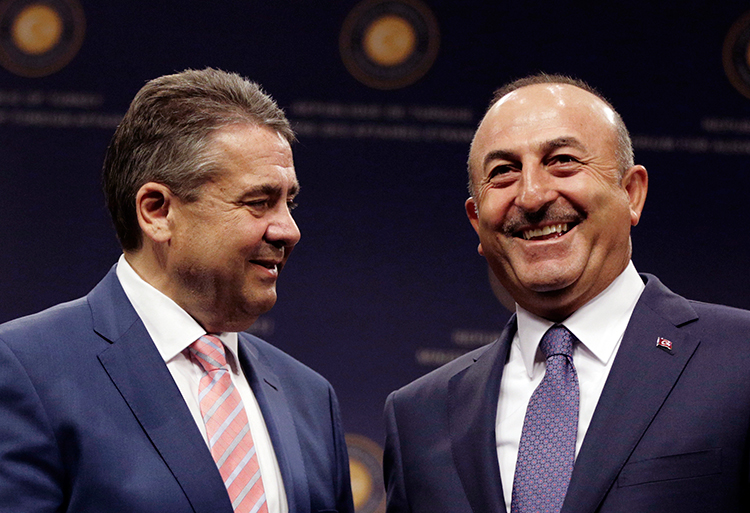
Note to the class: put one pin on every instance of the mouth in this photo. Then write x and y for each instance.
(552, 231)
(272, 265)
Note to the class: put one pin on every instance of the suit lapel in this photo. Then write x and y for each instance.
(137, 370)
(472, 408)
(641, 378)
(281, 427)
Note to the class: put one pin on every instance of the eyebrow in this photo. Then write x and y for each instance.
(498, 155)
(271, 190)
(545, 147)
(562, 142)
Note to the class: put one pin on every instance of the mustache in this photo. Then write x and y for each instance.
(519, 219)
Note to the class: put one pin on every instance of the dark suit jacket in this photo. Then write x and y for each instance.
(92, 421)
(669, 434)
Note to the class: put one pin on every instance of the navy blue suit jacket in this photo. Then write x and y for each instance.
(92, 421)
(669, 434)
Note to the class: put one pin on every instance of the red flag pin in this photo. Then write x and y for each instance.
(664, 343)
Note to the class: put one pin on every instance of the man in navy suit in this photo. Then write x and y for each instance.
(659, 386)
(102, 400)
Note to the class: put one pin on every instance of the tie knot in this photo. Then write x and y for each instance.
(209, 352)
(557, 340)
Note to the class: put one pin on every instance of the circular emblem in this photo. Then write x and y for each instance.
(366, 474)
(387, 44)
(39, 37)
(737, 55)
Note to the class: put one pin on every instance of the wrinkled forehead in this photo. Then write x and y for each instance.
(544, 105)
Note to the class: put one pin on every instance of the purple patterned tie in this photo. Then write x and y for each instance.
(546, 453)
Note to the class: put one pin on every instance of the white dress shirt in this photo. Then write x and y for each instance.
(599, 327)
(172, 329)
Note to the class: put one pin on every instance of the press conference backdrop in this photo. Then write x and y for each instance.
(386, 283)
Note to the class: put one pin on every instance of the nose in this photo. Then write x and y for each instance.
(535, 189)
(282, 230)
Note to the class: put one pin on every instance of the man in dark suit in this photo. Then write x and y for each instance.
(606, 392)
(145, 395)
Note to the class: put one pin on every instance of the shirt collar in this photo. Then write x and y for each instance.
(171, 328)
(598, 325)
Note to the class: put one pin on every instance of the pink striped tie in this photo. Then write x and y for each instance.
(227, 428)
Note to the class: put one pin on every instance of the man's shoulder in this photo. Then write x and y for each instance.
(682, 310)
(282, 363)
(59, 318)
(49, 341)
(73, 321)
(702, 307)
(435, 382)
(715, 317)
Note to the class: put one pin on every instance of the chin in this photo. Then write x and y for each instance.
(548, 288)
(555, 276)
(546, 283)
(256, 306)
(239, 315)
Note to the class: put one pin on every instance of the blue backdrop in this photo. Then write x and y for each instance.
(386, 282)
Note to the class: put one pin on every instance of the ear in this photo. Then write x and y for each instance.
(152, 205)
(635, 183)
(473, 214)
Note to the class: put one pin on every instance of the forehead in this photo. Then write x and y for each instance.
(542, 112)
(250, 153)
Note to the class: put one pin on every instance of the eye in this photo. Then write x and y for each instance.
(291, 204)
(257, 205)
(563, 159)
(503, 169)
(502, 172)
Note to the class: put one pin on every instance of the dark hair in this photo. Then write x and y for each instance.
(624, 150)
(165, 137)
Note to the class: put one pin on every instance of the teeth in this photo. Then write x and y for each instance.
(267, 265)
(541, 232)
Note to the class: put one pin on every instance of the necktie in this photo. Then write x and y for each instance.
(227, 428)
(546, 453)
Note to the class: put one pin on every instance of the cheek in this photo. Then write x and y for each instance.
(494, 209)
(615, 211)
(249, 236)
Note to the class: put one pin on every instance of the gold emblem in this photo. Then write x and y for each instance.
(366, 474)
(389, 40)
(736, 55)
(388, 44)
(38, 38)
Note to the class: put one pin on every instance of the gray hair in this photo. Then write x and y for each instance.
(623, 151)
(165, 137)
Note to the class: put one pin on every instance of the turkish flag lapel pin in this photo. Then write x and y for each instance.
(663, 343)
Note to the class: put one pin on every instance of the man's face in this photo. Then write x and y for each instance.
(552, 214)
(227, 248)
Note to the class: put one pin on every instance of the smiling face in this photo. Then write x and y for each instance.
(225, 250)
(550, 206)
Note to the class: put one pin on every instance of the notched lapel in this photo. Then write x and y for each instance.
(472, 408)
(138, 372)
(281, 427)
(641, 379)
